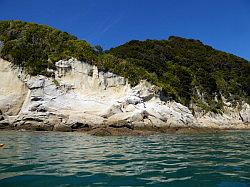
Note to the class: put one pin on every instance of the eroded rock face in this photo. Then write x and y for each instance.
(245, 113)
(79, 97)
(12, 90)
(232, 118)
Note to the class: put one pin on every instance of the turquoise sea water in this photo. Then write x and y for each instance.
(73, 159)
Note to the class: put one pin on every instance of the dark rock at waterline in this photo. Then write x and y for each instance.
(34, 126)
(121, 124)
(79, 125)
(4, 124)
(62, 128)
(123, 131)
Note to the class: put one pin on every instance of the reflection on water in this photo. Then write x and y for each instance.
(74, 159)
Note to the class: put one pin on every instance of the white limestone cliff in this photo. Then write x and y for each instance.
(81, 96)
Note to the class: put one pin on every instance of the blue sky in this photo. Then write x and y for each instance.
(223, 24)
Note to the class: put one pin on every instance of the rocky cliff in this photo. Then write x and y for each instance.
(81, 97)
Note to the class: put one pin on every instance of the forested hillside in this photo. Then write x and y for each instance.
(186, 70)
(189, 71)
(38, 47)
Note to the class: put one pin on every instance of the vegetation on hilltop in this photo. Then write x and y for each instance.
(186, 70)
(189, 71)
(37, 47)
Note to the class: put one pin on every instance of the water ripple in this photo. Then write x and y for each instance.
(75, 159)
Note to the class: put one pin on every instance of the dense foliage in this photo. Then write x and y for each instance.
(38, 47)
(186, 70)
(189, 71)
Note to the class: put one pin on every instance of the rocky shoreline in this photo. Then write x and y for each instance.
(125, 131)
(79, 97)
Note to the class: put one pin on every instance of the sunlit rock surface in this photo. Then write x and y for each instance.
(80, 96)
